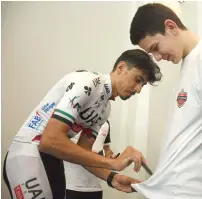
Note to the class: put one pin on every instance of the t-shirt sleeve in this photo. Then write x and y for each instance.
(78, 94)
(200, 79)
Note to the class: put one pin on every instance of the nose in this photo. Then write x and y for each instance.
(157, 56)
(138, 88)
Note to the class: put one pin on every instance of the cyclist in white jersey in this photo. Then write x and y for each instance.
(80, 183)
(179, 172)
(33, 167)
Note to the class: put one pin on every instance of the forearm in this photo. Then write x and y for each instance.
(62, 148)
(99, 172)
(108, 153)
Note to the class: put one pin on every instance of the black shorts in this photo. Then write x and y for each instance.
(70, 194)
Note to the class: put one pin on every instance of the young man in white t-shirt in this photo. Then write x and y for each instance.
(80, 183)
(158, 30)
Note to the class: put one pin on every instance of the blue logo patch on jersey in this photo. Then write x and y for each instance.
(35, 121)
(48, 107)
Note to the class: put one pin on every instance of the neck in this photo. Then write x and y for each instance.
(190, 40)
(113, 80)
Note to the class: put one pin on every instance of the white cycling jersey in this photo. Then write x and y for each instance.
(79, 99)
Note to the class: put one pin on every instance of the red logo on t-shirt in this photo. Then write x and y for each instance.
(18, 192)
(182, 98)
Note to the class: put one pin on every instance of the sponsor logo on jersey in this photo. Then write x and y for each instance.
(72, 100)
(29, 189)
(107, 88)
(89, 116)
(87, 90)
(48, 107)
(96, 81)
(102, 98)
(70, 86)
(182, 98)
(18, 192)
(97, 105)
(36, 121)
(75, 105)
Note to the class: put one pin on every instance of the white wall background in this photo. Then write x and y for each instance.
(42, 41)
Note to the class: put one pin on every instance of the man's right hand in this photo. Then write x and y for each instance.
(55, 142)
(126, 158)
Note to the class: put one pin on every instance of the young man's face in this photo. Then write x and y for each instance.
(167, 47)
(130, 82)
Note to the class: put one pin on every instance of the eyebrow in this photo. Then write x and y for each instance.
(150, 48)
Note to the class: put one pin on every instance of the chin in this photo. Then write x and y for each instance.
(124, 97)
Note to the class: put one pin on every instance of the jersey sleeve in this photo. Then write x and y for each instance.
(78, 94)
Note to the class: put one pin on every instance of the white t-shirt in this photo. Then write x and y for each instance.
(179, 171)
(79, 99)
(77, 177)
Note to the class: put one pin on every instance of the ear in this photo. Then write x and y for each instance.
(171, 27)
(121, 67)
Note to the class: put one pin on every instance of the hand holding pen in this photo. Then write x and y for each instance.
(147, 169)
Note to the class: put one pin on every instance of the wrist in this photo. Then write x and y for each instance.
(111, 179)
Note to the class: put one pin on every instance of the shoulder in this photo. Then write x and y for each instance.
(83, 79)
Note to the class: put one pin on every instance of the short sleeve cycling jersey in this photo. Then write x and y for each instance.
(80, 99)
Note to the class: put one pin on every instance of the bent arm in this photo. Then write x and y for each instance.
(55, 142)
(108, 151)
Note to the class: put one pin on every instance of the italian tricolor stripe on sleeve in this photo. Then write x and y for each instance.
(63, 117)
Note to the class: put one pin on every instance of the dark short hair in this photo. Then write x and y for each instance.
(140, 59)
(149, 20)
